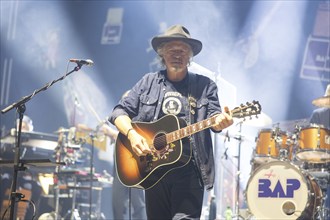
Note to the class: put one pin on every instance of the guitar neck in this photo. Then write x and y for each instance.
(190, 129)
(242, 111)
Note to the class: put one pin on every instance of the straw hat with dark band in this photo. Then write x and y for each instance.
(323, 101)
(177, 32)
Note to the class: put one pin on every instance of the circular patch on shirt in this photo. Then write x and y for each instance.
(172, 105)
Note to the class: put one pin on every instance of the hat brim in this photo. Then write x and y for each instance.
(196, 45)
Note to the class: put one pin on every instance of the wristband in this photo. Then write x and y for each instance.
(129, 131)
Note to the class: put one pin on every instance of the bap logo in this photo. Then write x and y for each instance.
(265, 191)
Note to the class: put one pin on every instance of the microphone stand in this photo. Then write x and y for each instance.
(45, 87)
(92, 136)
(17, 165)
(20, 106)
(238, 172)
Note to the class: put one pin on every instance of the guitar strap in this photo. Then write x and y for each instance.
(192, 94)
(192, 88)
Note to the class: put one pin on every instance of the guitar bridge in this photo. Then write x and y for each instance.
(149, 163)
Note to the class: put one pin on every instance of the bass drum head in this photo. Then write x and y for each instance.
(49, 216)
(277, 190)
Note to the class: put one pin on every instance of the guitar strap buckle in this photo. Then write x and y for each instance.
(192, 104)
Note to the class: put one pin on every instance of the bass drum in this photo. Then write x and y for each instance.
(279, 190)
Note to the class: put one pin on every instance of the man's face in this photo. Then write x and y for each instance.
(176, 55)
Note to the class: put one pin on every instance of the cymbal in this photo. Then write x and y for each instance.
(84, 128)
(291, 125)
(87, 135)
(61, 130)
(32, 139)
(322, 102)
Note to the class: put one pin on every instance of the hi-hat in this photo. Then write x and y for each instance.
(61, 130)
(322, 102)
(84, 128)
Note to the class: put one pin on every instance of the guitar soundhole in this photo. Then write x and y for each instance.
(160, 142)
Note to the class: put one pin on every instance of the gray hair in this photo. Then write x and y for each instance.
(28, 121)
(160, 52)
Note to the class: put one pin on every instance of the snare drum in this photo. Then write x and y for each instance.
(269, 144)
(279, 190)
(314, 144)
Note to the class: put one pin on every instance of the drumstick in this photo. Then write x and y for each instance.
(109, 132)
(94, 112)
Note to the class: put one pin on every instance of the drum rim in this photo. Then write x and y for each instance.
(313, 149)
(279, 161)
(271, 129)
(314, 125)
(323, 151)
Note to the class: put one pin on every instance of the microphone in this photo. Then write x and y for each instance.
(87, 62)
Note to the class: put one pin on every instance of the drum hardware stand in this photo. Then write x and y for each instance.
(92, 135)
(13, 194)
(240, 139)
(276, 135)
(295, 138)
(58, 155)
(321, 212)
(20, 106)
(74, 211)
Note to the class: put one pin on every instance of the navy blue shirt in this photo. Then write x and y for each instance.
(144, 103)
(321, 116)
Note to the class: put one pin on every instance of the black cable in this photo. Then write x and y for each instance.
(31, 202)
(4, 214)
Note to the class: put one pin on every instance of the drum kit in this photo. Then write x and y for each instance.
(290, 174)
(68, 180)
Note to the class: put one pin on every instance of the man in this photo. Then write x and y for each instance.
(188, 96)
(321, 117)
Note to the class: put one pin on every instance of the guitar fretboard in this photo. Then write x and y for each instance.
(238, 112)
(189, 130)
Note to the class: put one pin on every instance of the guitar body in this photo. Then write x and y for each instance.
(145, 171)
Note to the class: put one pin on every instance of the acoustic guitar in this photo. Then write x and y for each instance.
(166, 138)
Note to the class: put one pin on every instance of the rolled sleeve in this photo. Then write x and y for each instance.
(117, 111)
(132, 104)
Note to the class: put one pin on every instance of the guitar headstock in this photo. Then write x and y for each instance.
(248, 109)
